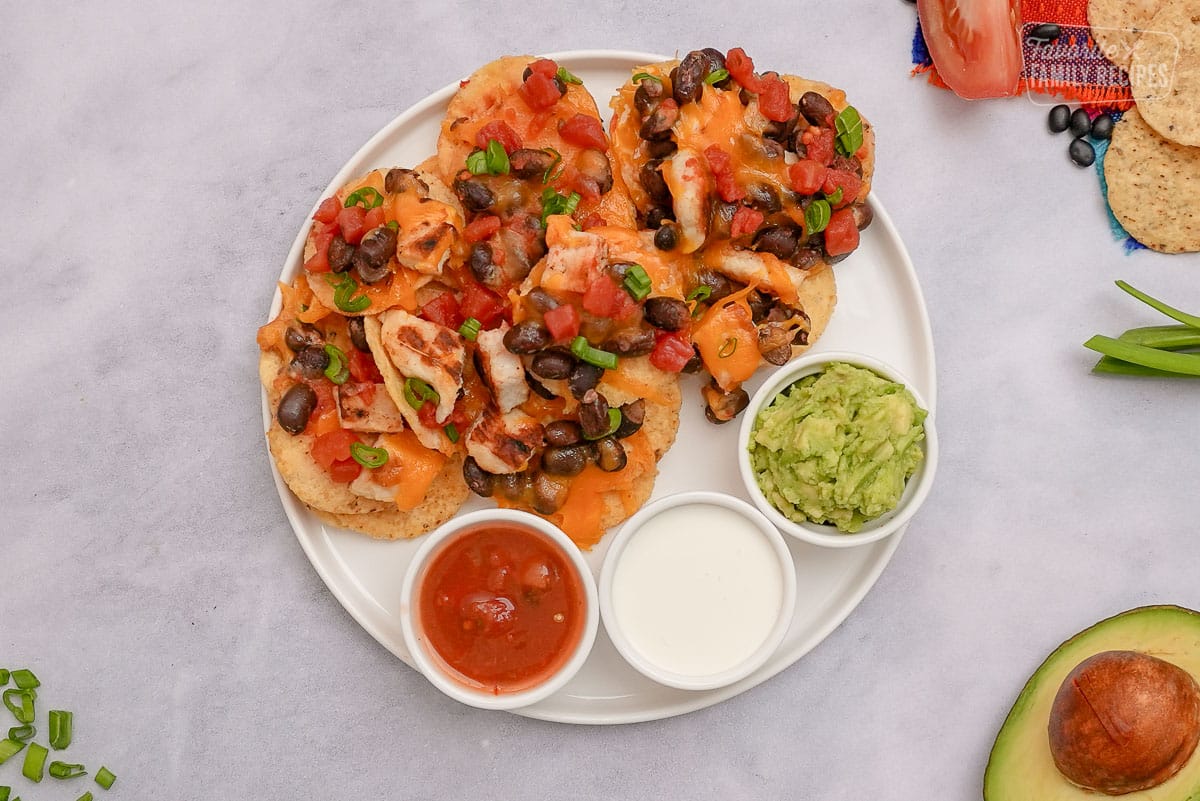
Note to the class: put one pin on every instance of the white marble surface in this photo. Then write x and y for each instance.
(158, 160)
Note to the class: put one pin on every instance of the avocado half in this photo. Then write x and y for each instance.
(1021, 767)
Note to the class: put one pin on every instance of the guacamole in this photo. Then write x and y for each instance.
(836, 447)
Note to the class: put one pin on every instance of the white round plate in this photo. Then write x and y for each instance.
(880, 312)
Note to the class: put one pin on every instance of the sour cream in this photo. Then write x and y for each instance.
(698, 590)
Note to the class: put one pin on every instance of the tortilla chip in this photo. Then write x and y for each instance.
(1165, 72)
(817, 297)
(1116, 25)
(662, 397)
(1154, 186)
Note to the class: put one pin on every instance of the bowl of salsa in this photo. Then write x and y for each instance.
(499, 609)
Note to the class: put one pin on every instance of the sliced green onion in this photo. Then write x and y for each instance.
(816, 217)
(368, 456)
(368, 197)
(555, 203)
(337, 371)
(470, 329)
(22, 710)
(416, 392)
(395, 226)
(1154, 303)
(22, 733)
(343, 296)
(1163, 337)
(645, 76)
(496, 158)
(35, 762)
(60, 728)
(9, 748)
(25, 680)
(105, 777)
(614, 422)
(85, 797)
(1110, 366)
(835, 198)
(477, 162)
(549, 175)
(4, 674)
(849, 129)
(637, 282)
(716, 76)
(728, 348)
(593, 356)
(700, 294)
(565, 76)
(66, 770)
(451, 432)
(1179, 363)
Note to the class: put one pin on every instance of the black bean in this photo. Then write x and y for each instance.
(310, 362)
(763, 197)
(358, 334)
(1043, 34)
(715, 60)
(649, 94)
(583, 377)
(718, 285)
(807, 257)
(478, 480)
(863, 216)
(772, 336)
(661, 148)
(538, 388)
(669, 314)
(667, 236)
(760, 305)
(654, 183)
(371, 258)
(633, 414)
(778, 240)
(511, 485)
(593, 414)
(528, 163)
(473, 194)
(1102, 127)
(527, 336)
(340, 254)
(400, 180)
(816, 109)
(610, 455)
(1082, 153)
(542, 300)
(658, 125)
(630, 342)
(1059, 119)
(563, 432)
(567, 460)
(693, 364)
(687, 80)
(1081, 123)
(295, 407)
(552, 364)
(300, 338)
(594, 165)
(482, 264)
(720, 406)
(656, 216)
(548, 495)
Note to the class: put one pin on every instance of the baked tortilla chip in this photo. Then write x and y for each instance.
(1117, 24)
(1164, 72)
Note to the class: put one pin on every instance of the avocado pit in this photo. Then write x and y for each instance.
(1124, 721)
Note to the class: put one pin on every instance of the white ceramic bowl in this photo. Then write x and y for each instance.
(915, 491)
(782, 561)
(430, 665)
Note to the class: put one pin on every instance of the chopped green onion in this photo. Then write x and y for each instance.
(593, 356)
(4, 791)
(105, 777)
(451, 432)
(849, 129)
(25, 680)
(614, 422)
(816, 217)
(700, 294)
(368, 197)
(469, 329)
(555, 203)
(22, 733)
(22, 711)
(395, 226)
(835, 198)
(549, 175)
(1163, 337)
(716, 76)
(416, 392)
(337, 371)
(35, 762)
(1154, 303)
(645, 76)
(368, 456)
(343, 296)
(728, 348)
(1179, 363)
(637, 282)
(496, 158)
(565, 76)
(477, 162)
(85, 797)
(67, 770)
(9, 748)
(4, 674)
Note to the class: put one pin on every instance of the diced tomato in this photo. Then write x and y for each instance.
(444, 310)
(539, 92)
(544, 66)
(585, 131)
(322, 236)
(373, 219)
(741, 67)
(332, 447)
(975, 44)
(807, 176)
(501, 132)
(481, 303)
(841, 235)
(745, 221)
(591, 221)
(819, 143)
(481, 228)
(427, 414)
(849, 183)
(721, 166)
(773, 99)
(671, 352)
(363, 368)
(352, 221)
(325, 408)
(606, 298)
(328, 210)
(344, 471)
(563, 322)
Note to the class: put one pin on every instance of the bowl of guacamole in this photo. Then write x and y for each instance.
(838, 449)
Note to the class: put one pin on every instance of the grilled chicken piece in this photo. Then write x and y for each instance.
(427, 229)
(686, 175)
(503, 443)
(357, 413)
(573, 258)
(501, 369)
(428, 351)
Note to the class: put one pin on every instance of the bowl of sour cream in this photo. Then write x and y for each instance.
(697, 590)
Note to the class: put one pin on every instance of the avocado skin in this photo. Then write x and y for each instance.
(1017, 766)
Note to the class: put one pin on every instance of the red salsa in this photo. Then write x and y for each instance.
(502, 607)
